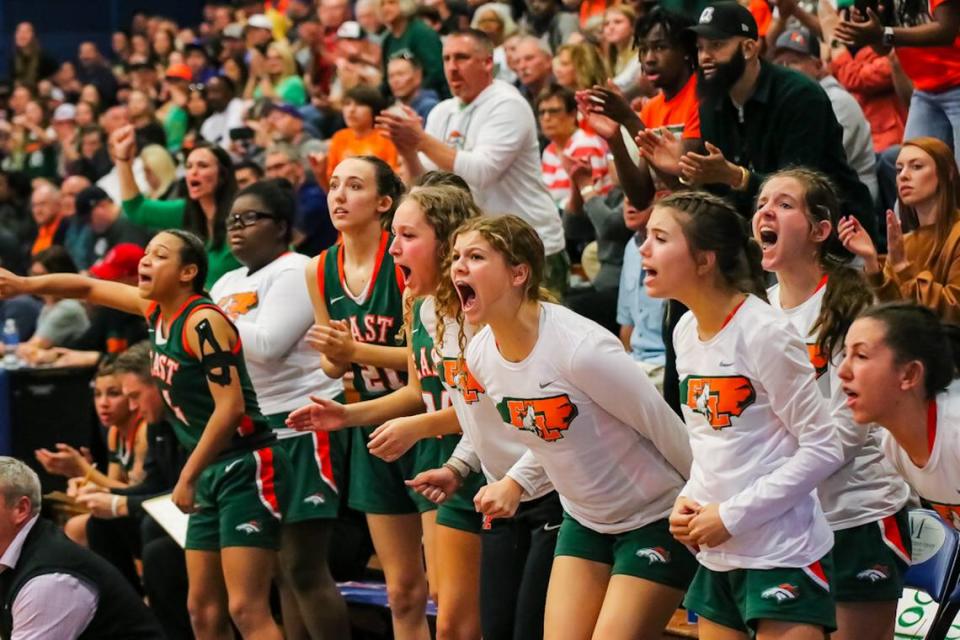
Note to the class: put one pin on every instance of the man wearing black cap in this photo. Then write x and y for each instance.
(287, 126)
(757, 118)
(108, 226)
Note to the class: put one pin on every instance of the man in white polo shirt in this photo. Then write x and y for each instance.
(487, 134)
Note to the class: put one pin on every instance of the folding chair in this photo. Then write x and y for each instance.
(936, 567)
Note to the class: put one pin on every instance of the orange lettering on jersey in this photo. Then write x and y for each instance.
(469, 388)
(949, 512)
(375, 329)
(424, 368)
(719, 398)
(818, 359)
(548, 418)
(238, 304)
(163, 367)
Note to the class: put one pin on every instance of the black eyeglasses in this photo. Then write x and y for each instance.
(246, 219)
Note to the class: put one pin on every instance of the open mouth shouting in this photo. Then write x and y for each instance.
(768, 237)
(194, 186)
(405, 271)
(468, 296)
(144, 279)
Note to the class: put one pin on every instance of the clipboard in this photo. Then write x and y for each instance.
(168, 516)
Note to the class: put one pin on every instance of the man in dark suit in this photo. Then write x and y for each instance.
(50, 587)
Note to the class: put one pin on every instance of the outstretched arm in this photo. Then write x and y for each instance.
(67, 285)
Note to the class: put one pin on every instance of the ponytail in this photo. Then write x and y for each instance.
(847, 295)
(916, 333)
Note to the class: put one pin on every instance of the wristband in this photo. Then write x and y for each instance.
(114, 502)
(458, 466)
(587, 191)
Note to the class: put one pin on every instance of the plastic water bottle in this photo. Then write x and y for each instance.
(11, 340)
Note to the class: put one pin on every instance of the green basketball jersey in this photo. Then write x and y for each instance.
(180, 376)
(425, 358)
(436, 451)
(375, 317)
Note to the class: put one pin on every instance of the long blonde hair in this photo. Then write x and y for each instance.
(587, 64)
(286, 55)
(158, 161)
(444, 209)
(618, 59)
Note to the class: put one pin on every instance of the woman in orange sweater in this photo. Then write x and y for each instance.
(924, 264)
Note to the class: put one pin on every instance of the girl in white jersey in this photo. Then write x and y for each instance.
(268, 303)
(521, 511)
(611, 446)
(898, 371)
(761, 434)
(864, 501)
(426, 215)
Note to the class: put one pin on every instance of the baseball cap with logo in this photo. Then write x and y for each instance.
(723, 20)
(798, 40)
(121, 262)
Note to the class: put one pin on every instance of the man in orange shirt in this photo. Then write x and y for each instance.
(51, 227)
(668, 55)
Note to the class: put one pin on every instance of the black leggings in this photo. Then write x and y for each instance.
(517, 558)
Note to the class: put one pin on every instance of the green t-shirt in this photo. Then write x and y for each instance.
(157, 215)
(175, 127)
(291, 90)
(424, 43)
(375, 318)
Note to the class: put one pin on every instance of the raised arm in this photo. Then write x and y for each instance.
(67, 285)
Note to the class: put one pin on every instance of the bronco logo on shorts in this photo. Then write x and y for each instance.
(654, 555)
(876, 573)
(781, 592)
(548, 418)
(249, 527)
(466, 384)
(718, 398)
(314, 499)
